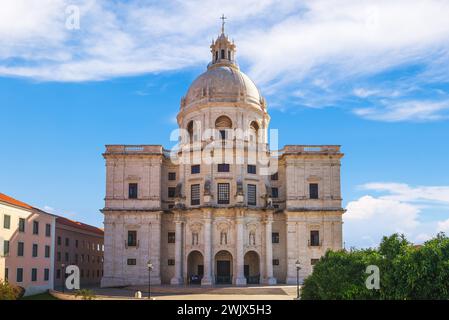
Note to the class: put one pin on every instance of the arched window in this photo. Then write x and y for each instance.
(223, 122)
(216, 55)
(253, 131)
(222, 54)
(229, 55)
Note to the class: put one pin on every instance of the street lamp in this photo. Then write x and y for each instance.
(298, 267)
(150, 267)
(63, 277)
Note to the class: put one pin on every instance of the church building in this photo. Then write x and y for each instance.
(221, 207)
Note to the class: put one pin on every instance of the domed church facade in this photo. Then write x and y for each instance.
(221, 207)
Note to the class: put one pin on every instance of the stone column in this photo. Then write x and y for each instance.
(154, 247)
(240, 279)
(177, 279)
(207, 277)
(269, 279)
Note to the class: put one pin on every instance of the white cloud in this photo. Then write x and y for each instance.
(48, 209)
(406, 110)
(401, 208)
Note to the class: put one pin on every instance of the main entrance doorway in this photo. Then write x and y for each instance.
(223, 267)
(251, 267)
(195, 267)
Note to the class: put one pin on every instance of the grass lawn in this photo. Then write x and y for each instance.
(40, 296)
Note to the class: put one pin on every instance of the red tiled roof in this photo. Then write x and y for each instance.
(79, 225)
(8, 199)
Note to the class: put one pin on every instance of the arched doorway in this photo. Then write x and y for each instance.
(195, 267)
(223, 267)
(252, 267)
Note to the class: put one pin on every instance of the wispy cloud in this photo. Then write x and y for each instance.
(314, 48)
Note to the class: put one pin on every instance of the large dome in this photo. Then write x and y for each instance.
(223, 83)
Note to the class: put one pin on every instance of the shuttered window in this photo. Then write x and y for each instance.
(195, 194)
(251, 194)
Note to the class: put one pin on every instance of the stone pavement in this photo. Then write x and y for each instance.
(279, 292)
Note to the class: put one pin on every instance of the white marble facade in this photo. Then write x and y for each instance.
(252, 230)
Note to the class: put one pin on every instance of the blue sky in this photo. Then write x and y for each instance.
(371, 76)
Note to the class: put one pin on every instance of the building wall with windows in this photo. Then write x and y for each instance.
(78, 244)
(26, 245)
(220, 207)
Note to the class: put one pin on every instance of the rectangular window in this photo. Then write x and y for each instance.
(19, 277)
(313, 190)
(76, 258)
(132, 191)
(35, 248)
(132, 238)
(66, 257)
(58, 256)
(46, 274)
(21, 225)
(171, 262)
(48, 230)
(275, 262)
(47, 251)
(76, 243)
(252, 194)
(6, 221)
(35, 227)
(132, 262)
(20, 250)
(275, 176)
(5, 247)
(172, 176)
(194, 194)
(195, 169)
(223, 167)
(314, 238)
(67, 242)
(223, 193)
(6, 274)
(252, 169)
(274, 192)
(58, 274)
(171, 237)
(275, 237)
(171, 192)
(314, 261)
(59, 241)
(34, 274)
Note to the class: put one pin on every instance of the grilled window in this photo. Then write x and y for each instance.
(313, 190)
(275, 262)
(314, 238)
(171, 237)
(223, 193)
(171, 192)
(275, 237)
(251, 194)
(131, 262)
(172, 176)
(223, 167)
(195, 169)
(132, 238)
(252, 169)
(195, 194)
(171, 262)
(132, 191)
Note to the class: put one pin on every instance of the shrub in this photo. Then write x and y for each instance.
(85, 294)
(10, 292)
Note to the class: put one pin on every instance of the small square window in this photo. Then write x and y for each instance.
(171, 192)
(131, 262)
(171, 237)
(223, 167)
(252, 169)
(275, 262)
(171, 262)
(314, 261)
(195, 169)
(172, 176)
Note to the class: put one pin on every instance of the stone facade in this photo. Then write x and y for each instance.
(220, 207)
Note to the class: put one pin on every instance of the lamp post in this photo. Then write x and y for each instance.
(63, 277)
(298, 267)
(150, 267)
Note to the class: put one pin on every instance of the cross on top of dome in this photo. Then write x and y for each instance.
(223, 50)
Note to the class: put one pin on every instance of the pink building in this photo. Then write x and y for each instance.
(27, 237)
